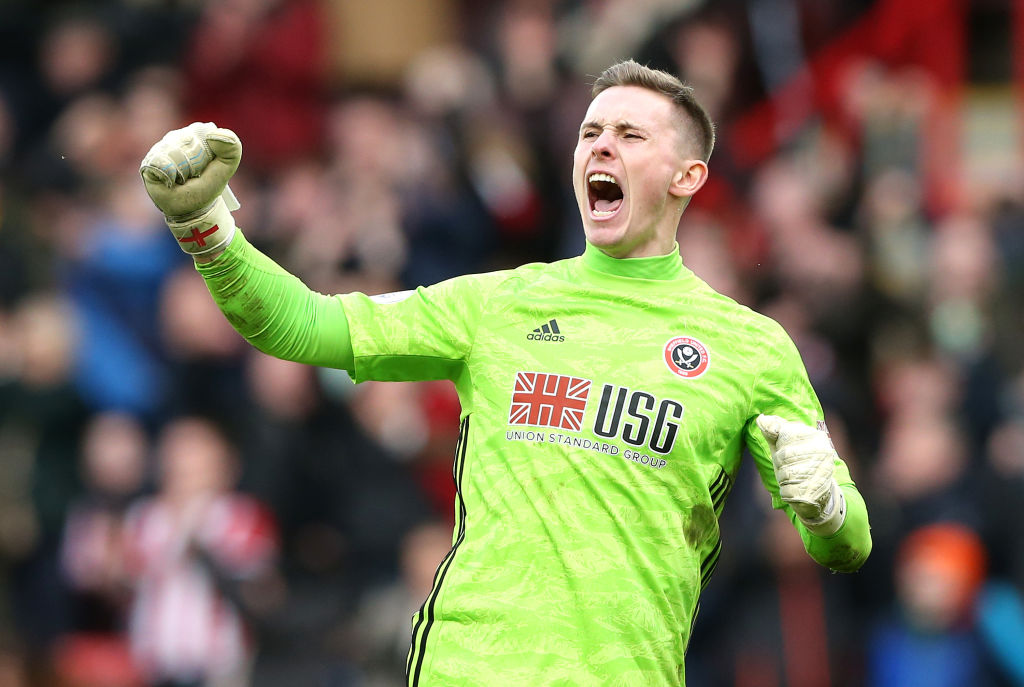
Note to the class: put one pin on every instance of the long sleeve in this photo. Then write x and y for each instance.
(848, 548)
(783, 389)
(275, 311)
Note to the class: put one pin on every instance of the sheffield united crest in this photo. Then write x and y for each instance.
(686, 357)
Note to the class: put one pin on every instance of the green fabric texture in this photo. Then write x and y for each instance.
(605, 407)
(274, 310)
(659, 267)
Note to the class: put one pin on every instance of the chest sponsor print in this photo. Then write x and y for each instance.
(633, 423)
(549, 400)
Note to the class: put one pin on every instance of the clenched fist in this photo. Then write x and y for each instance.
(804, 459)
(186, 174)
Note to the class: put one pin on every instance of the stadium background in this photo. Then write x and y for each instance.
(867, 191)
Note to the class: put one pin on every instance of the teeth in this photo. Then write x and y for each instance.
(601, 176)
(603, 213)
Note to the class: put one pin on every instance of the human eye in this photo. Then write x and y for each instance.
(588, 133)
(632, 135)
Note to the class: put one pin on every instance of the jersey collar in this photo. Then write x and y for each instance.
(659, 267)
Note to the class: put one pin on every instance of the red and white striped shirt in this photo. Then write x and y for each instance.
(181, 625)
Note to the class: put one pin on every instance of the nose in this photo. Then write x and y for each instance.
(603, 146)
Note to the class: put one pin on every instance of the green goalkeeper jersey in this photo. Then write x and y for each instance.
(605, 407)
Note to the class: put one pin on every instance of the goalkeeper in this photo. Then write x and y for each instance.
(606, 401)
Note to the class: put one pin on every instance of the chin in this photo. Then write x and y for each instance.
(603, 237)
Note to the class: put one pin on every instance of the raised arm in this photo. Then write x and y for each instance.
(186, 175)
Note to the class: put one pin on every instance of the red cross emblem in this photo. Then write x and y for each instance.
(198, 237)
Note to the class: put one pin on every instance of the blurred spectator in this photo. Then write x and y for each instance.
(114, 281)
(326, 473)
(964, 273)
(343, 499)
(527, 45)
(1003, 510)
(95, 652)
(1001, 626)
(703, 243)
(799, 622)
(456, 195)
(930, 639)
(41, 420)
(891, 107)
(77, 55)
(898, 236)
(203, 354)
(596, 35)
(922, 464)
(813, 261)
(356, 219)
(707, 54)
(151, 106)
(201, 558)
(115, 453)
(378, 635)
(259, 67)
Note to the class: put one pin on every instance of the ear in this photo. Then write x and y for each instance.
(689, 179)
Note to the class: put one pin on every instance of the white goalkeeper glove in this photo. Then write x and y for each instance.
(186, 175)
(804, 459)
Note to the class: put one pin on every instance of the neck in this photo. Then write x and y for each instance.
(659, 267)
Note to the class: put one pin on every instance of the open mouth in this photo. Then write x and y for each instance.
(605, 194)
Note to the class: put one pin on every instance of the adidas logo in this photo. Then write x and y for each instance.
(546, 332)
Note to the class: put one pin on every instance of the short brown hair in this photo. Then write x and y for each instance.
(630, 73)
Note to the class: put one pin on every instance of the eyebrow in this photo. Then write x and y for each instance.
(624, 124)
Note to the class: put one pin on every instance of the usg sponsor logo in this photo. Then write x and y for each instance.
(628, 422)
(638, 418)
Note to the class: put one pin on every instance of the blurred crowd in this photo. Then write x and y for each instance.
(177, 509)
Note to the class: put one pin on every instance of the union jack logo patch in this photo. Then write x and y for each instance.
(549, 400)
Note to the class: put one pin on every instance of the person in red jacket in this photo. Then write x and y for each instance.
(261, 67)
